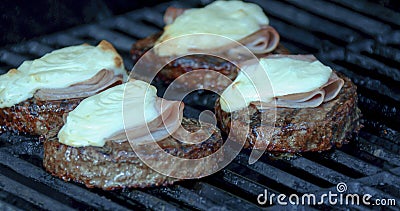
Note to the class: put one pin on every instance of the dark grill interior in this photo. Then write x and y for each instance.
(360, 39)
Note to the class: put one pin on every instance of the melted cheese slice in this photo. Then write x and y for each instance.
(232, 19)
(58, 69)
(273, 77)
(100, 116)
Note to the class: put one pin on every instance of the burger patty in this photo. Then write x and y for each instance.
(116, 165)
(298, 129)
(186, 64)
(36, 117)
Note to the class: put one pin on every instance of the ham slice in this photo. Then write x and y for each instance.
(311, 99)
(262, 41)
(102, 80)
(169, 120)
(172, 13)
(265, 40)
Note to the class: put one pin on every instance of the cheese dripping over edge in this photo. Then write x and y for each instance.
(273, 77)
(58, 69)
(232, 19)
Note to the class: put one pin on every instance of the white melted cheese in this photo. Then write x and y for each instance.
(232, 19)
(100, 116)
(273, 77)
(58, 69)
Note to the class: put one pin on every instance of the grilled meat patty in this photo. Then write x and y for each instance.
(185, 64)
(36, 117)
(298, 129)
(116, 165)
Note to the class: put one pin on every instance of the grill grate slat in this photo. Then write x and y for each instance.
(308, 21)
(344, 163)
(319, 170)
(130, 28)
(391, 144)
(374, 10)
(10, 202)
(277, 175)
(34, 48)
(61, 40)
(372, 66)
(240, 186)
(222, 198)
(29, 194)
(183, 195)
(366, 82)
(343, 16)
(11, 59)
(379, 152)
(39, 175)
(149, 201)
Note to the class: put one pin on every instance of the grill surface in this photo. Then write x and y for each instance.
(359, 39)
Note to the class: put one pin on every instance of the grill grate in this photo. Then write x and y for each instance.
(359, 39)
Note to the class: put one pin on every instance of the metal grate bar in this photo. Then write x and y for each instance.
(184, 196)
(149, 201)
(344, 16)
(11, 59)
(384, 113)
(379, 152)
(304, 39)
(29, 194)
(383, 53)
(308, 21)
(386, 132)
(372, 9)
(395, 171)
(39, 175)
(7, 207)
(34, 48)
(148, 16)
(392, 38)
(277, 175)
(222, 198)
(364, 81)
(319, 171)
(355, 163)
(391, 144)
(372, 66)
(120, 41)
(246, 187)
(60, 40)
(344, 163)
(131, 28)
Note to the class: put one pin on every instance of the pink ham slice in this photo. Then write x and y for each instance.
(102, 80)
(169, 120)
(262, 41)
(265, 40)
(311, 99)
(172, 13)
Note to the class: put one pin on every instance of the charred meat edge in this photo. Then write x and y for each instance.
(299, 129)
(116, 165)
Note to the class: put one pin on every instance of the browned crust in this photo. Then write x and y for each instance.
(116, 165)
(36, 117)
(39, 117)
(300, 130)
(107, 46)
(186, 64)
